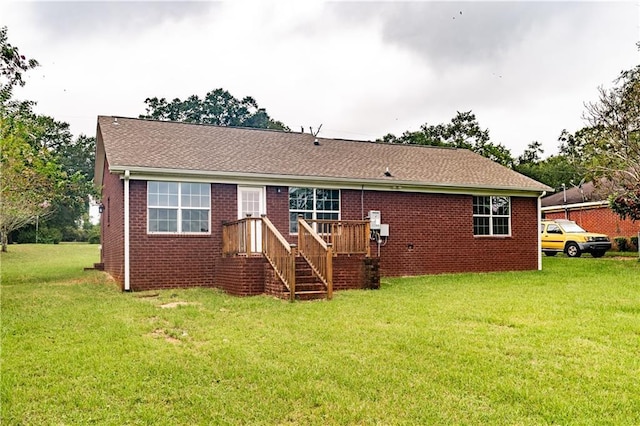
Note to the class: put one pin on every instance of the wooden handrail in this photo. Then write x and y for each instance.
(279, 254)
(346, 236)
(318, 253)
(241, 237)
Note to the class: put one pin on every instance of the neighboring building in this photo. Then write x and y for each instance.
(585, 206)
(175, 198)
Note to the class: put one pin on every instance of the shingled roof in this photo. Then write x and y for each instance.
(149, 146)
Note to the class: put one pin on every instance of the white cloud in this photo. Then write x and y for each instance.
(360, 69)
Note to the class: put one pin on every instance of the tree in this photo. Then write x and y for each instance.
(612, 145)
(28, 179)
(218, 107)
(43, 171)
(555, 170)
(463, 131)
(12, 65)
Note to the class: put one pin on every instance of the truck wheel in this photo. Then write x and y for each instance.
(598, 253)
(573, 250)
(550, 253)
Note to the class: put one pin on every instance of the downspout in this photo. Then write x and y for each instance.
(538, 230)
(127, 275)
(362, 203)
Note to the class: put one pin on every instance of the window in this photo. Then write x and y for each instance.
(178, 207)
(491, 215)
(313, 203)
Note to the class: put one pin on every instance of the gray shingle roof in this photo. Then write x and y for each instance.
(147, 144)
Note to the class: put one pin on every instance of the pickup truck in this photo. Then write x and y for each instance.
(566, 236)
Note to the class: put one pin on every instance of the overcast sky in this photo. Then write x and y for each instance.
(361, 69)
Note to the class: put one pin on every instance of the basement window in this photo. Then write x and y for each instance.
(178, 207)
(314, 204)
(491, 215)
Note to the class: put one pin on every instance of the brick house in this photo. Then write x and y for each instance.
(587, 208)
(248, 210)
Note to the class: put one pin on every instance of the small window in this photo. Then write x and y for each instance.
(178, 207)
(491, 215)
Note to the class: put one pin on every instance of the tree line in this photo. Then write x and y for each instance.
(47, 174)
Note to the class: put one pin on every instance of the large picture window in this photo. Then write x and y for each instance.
(313, 203)
(491, 215)
(178, 207)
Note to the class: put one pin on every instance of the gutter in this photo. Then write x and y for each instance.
(538, 230)
(563, 207)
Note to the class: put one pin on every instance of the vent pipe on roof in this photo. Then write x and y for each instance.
(115, 121)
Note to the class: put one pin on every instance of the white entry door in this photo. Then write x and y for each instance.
(251, 202)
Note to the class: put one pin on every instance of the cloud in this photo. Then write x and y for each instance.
(68, 20)
(362, 69)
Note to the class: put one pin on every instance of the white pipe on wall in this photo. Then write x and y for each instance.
(127, 277)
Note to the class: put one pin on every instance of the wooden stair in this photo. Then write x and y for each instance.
(308, 286)
(95, 267)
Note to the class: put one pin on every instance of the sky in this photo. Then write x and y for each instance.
(360, 69)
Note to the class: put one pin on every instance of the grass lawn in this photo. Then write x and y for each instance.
(561, 346)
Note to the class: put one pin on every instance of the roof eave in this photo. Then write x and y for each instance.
(147, 173)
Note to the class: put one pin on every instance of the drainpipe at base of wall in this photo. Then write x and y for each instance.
(538, 230)
(127, 278)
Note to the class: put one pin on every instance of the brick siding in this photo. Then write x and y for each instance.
(433, 233)
(429, 233)
(112, 226)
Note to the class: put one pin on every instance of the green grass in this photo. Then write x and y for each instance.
(559, 346)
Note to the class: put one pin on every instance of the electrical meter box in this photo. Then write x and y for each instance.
(374, 218)
(384, 230)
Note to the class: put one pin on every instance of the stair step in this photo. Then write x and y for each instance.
(309, 287)
(307, 280)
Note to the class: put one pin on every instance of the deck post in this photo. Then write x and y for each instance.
(329, 271)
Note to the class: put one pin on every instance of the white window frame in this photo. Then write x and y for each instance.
(179, 208)
(314, 211)
(492, 215)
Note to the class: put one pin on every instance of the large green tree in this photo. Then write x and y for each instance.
(28, 181)
(463, 131)
(12, 65)
(611, 148)
(45, 173)
(218, 107)
(556, 170)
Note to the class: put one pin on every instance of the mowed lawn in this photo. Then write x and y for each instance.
(561, 346)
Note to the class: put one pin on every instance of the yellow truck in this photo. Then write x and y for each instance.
(566, 236)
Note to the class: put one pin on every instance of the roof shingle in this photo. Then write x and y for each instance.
(139, 143)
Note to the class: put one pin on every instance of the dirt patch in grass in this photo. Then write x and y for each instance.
(176, 304)
(160, 333)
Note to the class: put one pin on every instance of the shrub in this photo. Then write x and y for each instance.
(94, 235)
(622, 244)
(634, 243)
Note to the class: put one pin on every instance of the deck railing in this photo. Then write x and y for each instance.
(345, 236)
(318, 253)
(242, 236)
(280, 255)
(258, 235)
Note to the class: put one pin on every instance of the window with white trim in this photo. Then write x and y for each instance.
(178, 207)
(313, 203)
(491, 215)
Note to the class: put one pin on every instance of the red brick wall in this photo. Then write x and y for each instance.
(165, 261)
(112, 225)
(429, 233)
(433, 233)
(242, 276)
(601, 220)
